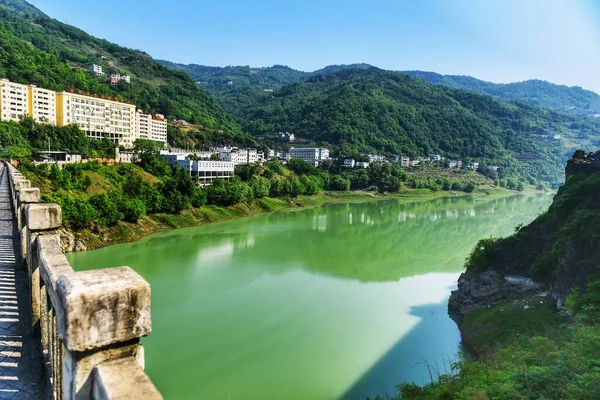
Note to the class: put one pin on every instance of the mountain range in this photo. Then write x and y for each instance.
(354, 108)
(223, 82)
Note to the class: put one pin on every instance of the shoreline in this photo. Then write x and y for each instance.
(124, 232)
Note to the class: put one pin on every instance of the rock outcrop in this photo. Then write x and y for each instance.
(556, 253)
(477, 290)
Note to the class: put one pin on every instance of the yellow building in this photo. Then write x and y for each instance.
(14, 100)
(98, 117)
(42, 104)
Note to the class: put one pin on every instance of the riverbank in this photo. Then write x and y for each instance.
(123, 232)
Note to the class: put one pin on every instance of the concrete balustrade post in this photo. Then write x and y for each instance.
(107, 313)
(109, 385)
(39, 219)
(15, 180)
(25, 196)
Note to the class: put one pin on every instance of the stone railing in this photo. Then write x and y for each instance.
(89, 323)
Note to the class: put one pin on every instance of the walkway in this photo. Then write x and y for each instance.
(21, 371)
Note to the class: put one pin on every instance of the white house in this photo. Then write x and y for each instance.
(404, 161)
(203, 172)
(454, 164)
(240, 156)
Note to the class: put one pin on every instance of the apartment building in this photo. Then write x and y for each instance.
(151, 127)
(14, 100)
(96, 69)
(312, 155)
(99, 117)
(42, 104)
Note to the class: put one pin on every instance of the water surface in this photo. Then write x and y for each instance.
(341, 301)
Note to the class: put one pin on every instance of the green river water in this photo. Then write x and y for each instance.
(342, 301)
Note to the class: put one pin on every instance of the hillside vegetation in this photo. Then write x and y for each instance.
(525, 348)
(40, 50)
(241, 83)
(237, 88)
(386, 112)
(534, 92)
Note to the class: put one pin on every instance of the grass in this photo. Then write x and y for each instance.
(487, 330)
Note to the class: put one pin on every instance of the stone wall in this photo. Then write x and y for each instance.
(89, 323)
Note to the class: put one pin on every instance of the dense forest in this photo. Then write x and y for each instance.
(237, 88)
(241, 83)
(40, 50)
(534, 92)
(379, 111)
(358, 108)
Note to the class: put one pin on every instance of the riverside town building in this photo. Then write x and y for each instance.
(203, 172)
(151, 127)
(98, 116)
(312, 155)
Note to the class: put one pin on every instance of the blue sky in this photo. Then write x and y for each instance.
(496, 40)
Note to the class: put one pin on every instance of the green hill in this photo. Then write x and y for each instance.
(380, 111)
(236, 88)
(535, 92)
(41, 50)
(234, 85)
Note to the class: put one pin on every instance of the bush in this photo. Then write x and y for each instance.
(83, 213)
(133, 209)
(107, 208)
(199, 198)
(260, 187)
(339, 182)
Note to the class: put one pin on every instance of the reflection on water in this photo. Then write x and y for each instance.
(340, 301)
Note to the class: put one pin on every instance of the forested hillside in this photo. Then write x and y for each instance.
(534, 92)
(41, 50)
(387, 112)
(237, 88)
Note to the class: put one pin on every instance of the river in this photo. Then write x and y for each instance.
(341, 301)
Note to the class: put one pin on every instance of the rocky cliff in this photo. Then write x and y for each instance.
(556, 253)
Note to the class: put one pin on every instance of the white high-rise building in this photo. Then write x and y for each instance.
(151, 127)
(42, 104)
(14, 100)
(99, 117)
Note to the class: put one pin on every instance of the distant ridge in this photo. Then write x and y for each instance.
(534, 92)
